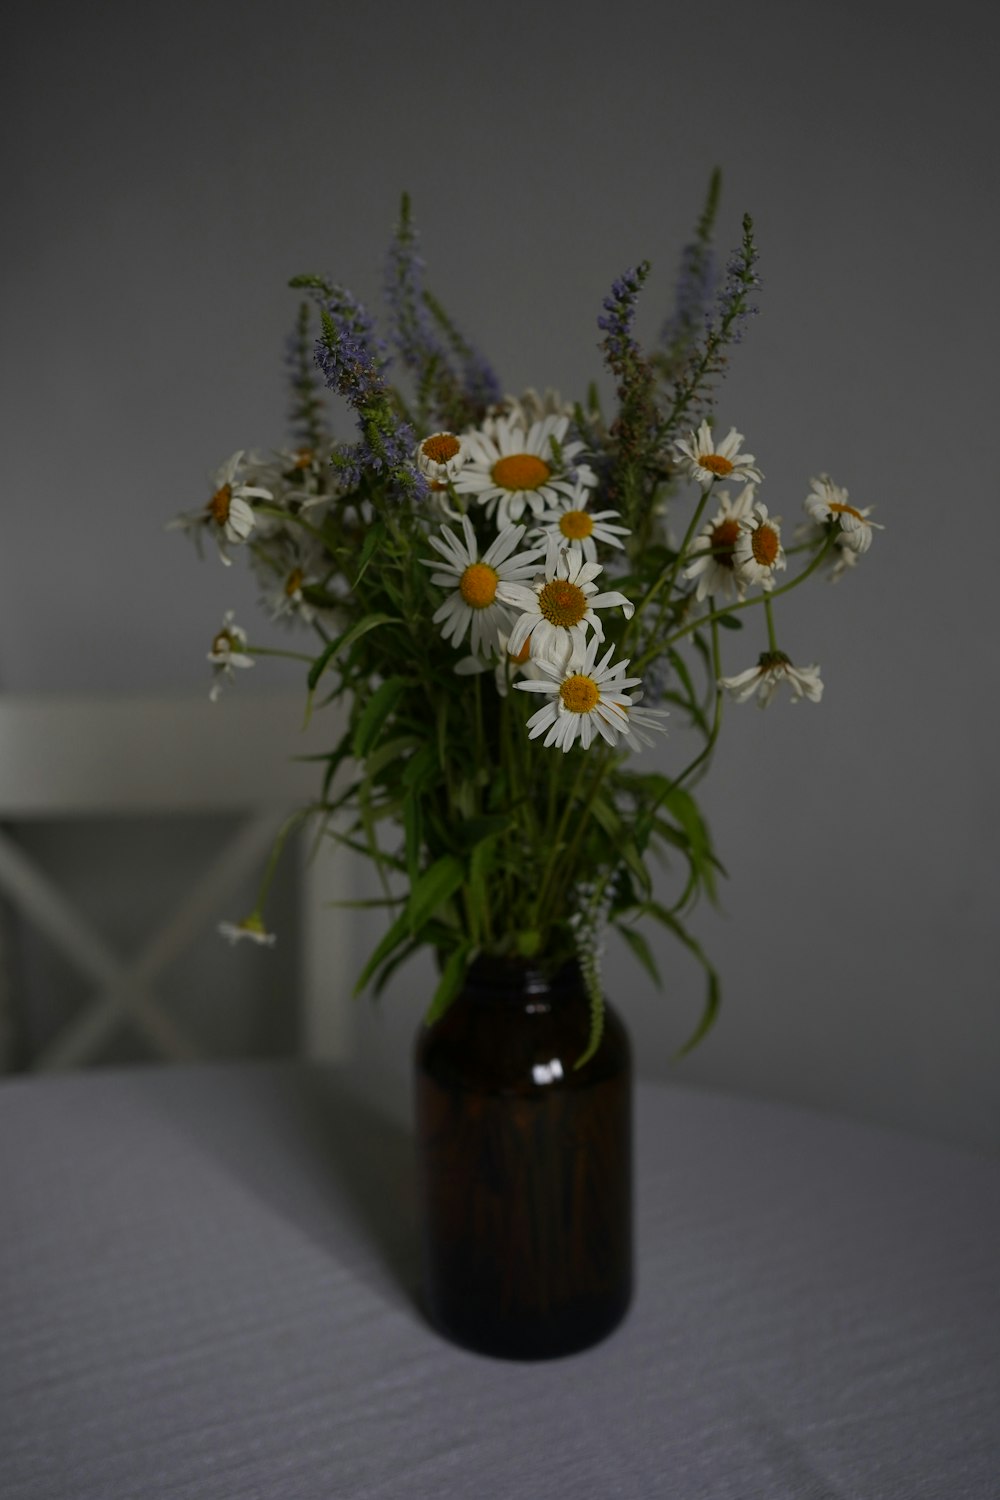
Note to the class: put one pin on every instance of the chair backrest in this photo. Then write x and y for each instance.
(72, 758)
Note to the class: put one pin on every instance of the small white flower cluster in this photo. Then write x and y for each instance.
(537, 609)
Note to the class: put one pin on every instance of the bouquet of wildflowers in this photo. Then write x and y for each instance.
(514, 595)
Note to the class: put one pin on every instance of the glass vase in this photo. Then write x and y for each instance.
(524, 1165)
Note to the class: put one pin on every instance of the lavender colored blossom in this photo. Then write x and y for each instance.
(694, 291)
(353, 364)
(620, 347)
(404, 295)
(482, 386)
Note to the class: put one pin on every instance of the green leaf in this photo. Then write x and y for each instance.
(713, 993)
(375, 712)
(435, 886)
(360, 628)
(450, 983)
(642, 951)
(372, 539)
(729, 622)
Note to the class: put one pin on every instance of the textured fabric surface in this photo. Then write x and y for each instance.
(207, 1292)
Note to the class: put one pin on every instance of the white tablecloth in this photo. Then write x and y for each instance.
(207, 1293)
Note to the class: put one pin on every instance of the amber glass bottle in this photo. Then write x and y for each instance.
(524, 1165)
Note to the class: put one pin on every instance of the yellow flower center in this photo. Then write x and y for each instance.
(580, 694)
(723, 540)
(764, 546)
(303, 458)
(576, 524)
(847, 510)
(293, 582)
(218, 506)
(520, 471)
(562, 603)
(521, 656)
(716, 464)
(441, 447)
(478, 586)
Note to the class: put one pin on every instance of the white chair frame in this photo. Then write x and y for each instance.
(65, 758)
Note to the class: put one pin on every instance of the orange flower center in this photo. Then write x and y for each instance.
(520, 471)
(478, 585)
(765, 545)
(562, 603)
(723, 541)
(218, 506)
(580, 694)
(716, 464)
(847, 510)
(293, 582)
(576, 524)
(441, 447)
(522, 656)
(303, 458)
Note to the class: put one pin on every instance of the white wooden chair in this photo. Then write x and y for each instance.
(65, 758)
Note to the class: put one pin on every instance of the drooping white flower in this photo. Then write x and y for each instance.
(229, 510)
(477, 600)
(827, 502)
(555, 611)
(511, 468)
(573, 524)
(227, 654)
(587, 698)
(757, 551)
(712, 551)
(441, 457)
(774, 668)
(251, 929)
(706, 459)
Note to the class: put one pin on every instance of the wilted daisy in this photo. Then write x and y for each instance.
(827, 502)
(757, 552)
(440, 457)
(772, 669)
(713, 549)
(573, 524)
(251, 929)
(477, 600)
(557, 608)
(586, 698)
(706, 459)
(228, 653)
(512, 468)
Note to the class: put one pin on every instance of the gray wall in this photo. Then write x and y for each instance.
(170, 168)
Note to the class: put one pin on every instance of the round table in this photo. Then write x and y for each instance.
(207, 1292)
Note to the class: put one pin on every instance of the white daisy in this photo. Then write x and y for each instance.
(440, 457)
(772, 669)
(712, 549)
(827, 502)
(587, 698)
(757, 551)
(478, 582)
(572, 523)
(512, 468)
(251, 929)
(227, 654)
(557, 608)
(229, 510)
(706, 459)
(531, 407)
